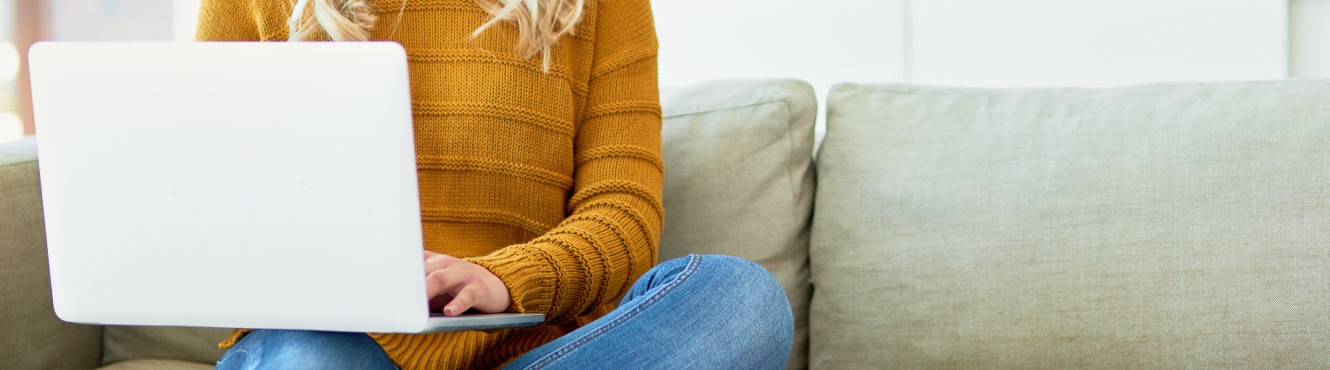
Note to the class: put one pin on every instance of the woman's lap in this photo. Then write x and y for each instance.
(300, 349)
(691, 312)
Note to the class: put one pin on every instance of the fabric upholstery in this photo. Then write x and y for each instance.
(156, 365)
(124, 343)
(739, 180)
(1178, 225)
(33, 337)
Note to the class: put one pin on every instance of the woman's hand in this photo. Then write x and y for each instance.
(456, 285)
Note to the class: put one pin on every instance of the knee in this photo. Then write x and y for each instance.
(730, 281)
(746, 276)
(739, 266)
(756, 302)
(735, 282)
(749, 287)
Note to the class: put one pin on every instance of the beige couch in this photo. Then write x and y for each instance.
(1166, 226)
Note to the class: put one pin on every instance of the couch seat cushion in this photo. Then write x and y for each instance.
(156, 364)
(124, 343)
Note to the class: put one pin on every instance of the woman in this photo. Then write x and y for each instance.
(538, 145)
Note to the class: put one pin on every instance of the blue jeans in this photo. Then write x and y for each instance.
(709, 312)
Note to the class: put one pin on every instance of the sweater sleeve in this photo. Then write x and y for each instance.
(611, 235)
(227, 20)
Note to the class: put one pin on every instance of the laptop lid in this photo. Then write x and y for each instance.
(260, 185)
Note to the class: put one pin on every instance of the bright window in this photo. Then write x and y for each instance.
(25, 21)
(11, 127)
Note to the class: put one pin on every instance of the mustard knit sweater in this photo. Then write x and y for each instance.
(551, 181)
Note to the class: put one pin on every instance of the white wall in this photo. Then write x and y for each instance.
(976, 42)
(822, 42)
(866, 40)
(1095, 42)
(985, 42)
(1310, 38)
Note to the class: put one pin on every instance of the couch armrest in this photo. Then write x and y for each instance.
(33, 338)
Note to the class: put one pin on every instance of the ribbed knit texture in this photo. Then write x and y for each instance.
(551, 181)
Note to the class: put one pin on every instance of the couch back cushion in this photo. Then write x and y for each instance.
(1177, 225)
(739, 179)
(33, 338)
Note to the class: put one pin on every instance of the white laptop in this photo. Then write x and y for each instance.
(250, 185)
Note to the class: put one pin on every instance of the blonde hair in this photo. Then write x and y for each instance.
(540, 23)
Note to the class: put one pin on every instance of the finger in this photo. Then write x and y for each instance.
(442, 281)
(436, 304)
(435, 261)
(460, 303)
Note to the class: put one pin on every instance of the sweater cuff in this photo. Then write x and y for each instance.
(528, 275)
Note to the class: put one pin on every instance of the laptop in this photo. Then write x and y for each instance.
(234, 185)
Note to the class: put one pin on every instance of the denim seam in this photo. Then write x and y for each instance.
(568, 348)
